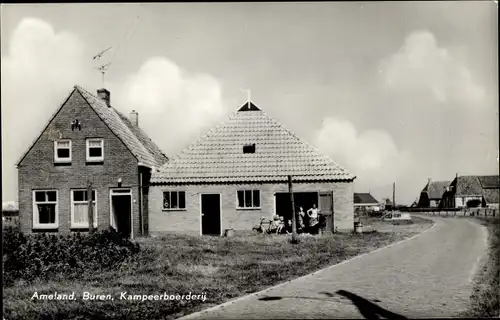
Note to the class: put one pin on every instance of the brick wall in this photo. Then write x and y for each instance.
(38, 171)
(188, 221)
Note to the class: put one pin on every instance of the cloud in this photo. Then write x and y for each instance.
(371, 155)
(421, 66)
(42, 65)
(39, 68)
(175, 106)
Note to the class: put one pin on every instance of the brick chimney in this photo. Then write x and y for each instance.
(134, 117)
(105, 96)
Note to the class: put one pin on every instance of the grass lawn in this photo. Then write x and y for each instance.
(221, 268)
(485, 300)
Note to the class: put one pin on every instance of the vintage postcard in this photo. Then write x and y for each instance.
(267, 160)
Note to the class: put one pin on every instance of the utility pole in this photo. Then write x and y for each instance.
(294, 223)
(90, 207)
(393, 196)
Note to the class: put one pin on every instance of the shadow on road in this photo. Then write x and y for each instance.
(368, 309)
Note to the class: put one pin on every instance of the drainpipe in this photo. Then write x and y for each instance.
(141, 209)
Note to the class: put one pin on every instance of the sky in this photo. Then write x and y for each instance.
(395, 92)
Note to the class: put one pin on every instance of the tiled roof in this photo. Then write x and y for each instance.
(364, 198)
(218, 156)
(468, 186)
(491, 195)
(490, 182)
(146, 152)
(155, 151)
(435, 189)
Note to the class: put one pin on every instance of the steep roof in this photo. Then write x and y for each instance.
(435, 189)
(218, 156)
(491, 195)
(364, 198)
(146, 152)
(489, 182)
(468, 186)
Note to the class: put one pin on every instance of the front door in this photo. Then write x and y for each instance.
(121, 211)
(325, 206)
(210, 214)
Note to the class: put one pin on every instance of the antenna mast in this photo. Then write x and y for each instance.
(103, 69)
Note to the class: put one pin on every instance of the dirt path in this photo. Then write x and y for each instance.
(427, 276)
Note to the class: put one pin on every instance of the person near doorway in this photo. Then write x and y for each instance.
(312, 213)
(289, 227)
(300, 215)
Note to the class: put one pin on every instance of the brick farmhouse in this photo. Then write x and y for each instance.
(237, 173)
(87, 140)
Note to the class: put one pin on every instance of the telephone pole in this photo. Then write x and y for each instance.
(393, 196)
(294, 224)
(90, 207)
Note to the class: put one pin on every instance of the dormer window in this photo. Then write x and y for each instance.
(249, 148)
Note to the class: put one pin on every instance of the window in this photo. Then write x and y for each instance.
(174, 200)
(45, 209)
(62, 151)
(79, 208)
(248, 198)
(95, 150)
(249, 148)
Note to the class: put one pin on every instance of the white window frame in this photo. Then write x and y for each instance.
(244, 202)
(170, 197)
(94, 159)
(56, 147)
(82, 225)
(36, 215)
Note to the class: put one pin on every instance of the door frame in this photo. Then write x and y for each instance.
(112, 192)
(220, 211)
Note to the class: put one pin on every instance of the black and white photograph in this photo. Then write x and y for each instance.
(250, 160)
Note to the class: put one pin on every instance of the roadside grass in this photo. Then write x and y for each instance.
(485, 299)
(221, 268)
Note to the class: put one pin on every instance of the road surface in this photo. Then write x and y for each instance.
(427, 276)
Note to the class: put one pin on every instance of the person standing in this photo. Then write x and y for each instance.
(300, 215)
(312, 213)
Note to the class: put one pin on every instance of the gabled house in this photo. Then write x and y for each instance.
(238, 172)
(491, 190)
(432, 194)
(365, 202)
(473, 191)
(87, 140)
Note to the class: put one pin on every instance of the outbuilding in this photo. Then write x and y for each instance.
(238, 172)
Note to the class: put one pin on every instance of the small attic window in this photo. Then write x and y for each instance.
(249, 148)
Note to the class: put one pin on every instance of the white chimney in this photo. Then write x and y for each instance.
(134, 117)
(105, 96)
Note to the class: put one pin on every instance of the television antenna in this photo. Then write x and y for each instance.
(99, 55)
(103, 69)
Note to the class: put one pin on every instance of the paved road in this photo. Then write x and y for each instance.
(427, 276)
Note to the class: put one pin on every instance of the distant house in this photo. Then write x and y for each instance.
(432, 194)
(87, 139)
(473, 191)
(365, 202)
(237, 173)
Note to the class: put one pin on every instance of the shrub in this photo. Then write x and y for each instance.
(41, 256)
(474, 203)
